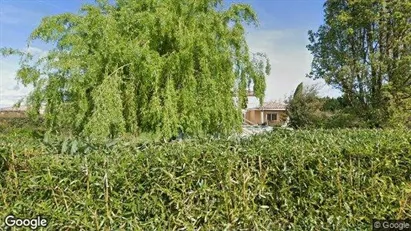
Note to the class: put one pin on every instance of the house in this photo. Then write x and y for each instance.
(271, 113)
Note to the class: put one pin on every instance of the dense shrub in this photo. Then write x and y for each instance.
(343, 119)
(20, 124)
(296, 180)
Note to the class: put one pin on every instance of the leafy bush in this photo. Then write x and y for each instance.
(304, 107)
(295, 180)
(343, 119)
(21, 125)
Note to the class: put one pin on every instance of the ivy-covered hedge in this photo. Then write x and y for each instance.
(296, 180)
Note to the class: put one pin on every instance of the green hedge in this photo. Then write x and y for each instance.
(297, 180)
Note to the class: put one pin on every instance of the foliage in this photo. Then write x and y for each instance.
(399, 107)
(343, 119)
(339, 114)
(286, 180)
(364, 50)
(10, 125)
(144, 66)
(304, 107)
(334, 104)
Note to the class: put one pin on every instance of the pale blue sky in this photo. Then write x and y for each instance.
(282, 35)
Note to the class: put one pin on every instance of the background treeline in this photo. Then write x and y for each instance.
(307, 109)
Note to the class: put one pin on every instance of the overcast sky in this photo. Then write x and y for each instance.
(282, 35)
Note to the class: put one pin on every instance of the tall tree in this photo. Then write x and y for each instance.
(364, 49)
(142, 66)
(304, 107)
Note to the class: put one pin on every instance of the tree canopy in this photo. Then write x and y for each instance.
(144, 66)
(307, 109)
(364, 49)
(303, 107)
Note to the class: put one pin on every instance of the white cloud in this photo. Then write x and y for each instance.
(10, 90)
(10, 14)
(35, 51)
(290, 61)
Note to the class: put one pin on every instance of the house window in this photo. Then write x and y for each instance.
(272, 117)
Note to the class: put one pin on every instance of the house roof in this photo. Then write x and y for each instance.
(272, 105)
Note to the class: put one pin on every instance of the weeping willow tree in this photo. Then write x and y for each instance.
(144, 66)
